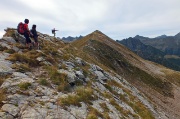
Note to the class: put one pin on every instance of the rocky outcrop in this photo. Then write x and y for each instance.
(5, 66)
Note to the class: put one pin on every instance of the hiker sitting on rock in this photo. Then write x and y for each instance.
(35, 36)
(27, 34)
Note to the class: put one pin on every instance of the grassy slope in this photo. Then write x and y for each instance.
(101, 50)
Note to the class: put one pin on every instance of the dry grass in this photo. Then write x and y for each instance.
(29, 58)
(64, 87)
(44, 82)
(2, 97)
(20, 46)
(136, 105)
(106, 110)
(3, 78)
(63, 66)
(94, 113)
(66, 56)
(172, 76)
(10, 33)
(82, 94)
(141, 110)
(21, 67)
(115, 104)
(56, 77)
(10, 51)
(107, 95)
(59, 79)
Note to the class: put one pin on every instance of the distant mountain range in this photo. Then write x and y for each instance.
(163, 49)
(70, 38)
(168, 44)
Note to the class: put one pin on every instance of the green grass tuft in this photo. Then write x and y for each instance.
(24, 85)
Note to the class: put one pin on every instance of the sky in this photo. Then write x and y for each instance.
(118, 19)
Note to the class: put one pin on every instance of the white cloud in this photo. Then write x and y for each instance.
(116, 18)
(1, 33)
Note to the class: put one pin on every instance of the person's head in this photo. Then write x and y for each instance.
(26, 21)
(33, 26)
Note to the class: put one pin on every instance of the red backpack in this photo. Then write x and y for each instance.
(20, 28)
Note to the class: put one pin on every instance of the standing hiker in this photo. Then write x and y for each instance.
(35, 36)
(27, 34)
(54, 31)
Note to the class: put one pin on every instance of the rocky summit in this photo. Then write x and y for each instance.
(91, 78)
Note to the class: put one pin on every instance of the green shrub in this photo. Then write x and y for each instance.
(24, 85)
(10, 51)
(43, 82)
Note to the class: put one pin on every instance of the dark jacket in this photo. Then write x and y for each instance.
(34, 32)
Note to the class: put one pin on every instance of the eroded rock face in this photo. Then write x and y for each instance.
(11, 109)
(5, 65)
(5, 115)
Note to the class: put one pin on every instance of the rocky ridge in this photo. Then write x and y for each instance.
(50, 83)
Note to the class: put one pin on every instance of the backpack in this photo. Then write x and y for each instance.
(20, 28)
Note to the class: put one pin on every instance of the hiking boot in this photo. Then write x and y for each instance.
(30, 48)
(33, 44)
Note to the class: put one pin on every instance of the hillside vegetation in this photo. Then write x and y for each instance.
(91, 78)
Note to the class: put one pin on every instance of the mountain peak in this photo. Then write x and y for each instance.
(177, 35)
(97, 31)
(162, 36)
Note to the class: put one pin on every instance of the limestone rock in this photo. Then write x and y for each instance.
(70, 75)
(31, 113)
(5, 115)
(9, 40)
(79, 112)
(11, 109)
(5, 66)
(79, 74)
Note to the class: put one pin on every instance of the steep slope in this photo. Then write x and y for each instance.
(159, 83)
(150, 53)
(54, 83)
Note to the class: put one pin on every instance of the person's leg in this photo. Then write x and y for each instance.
(36, 42)
(27, 41)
